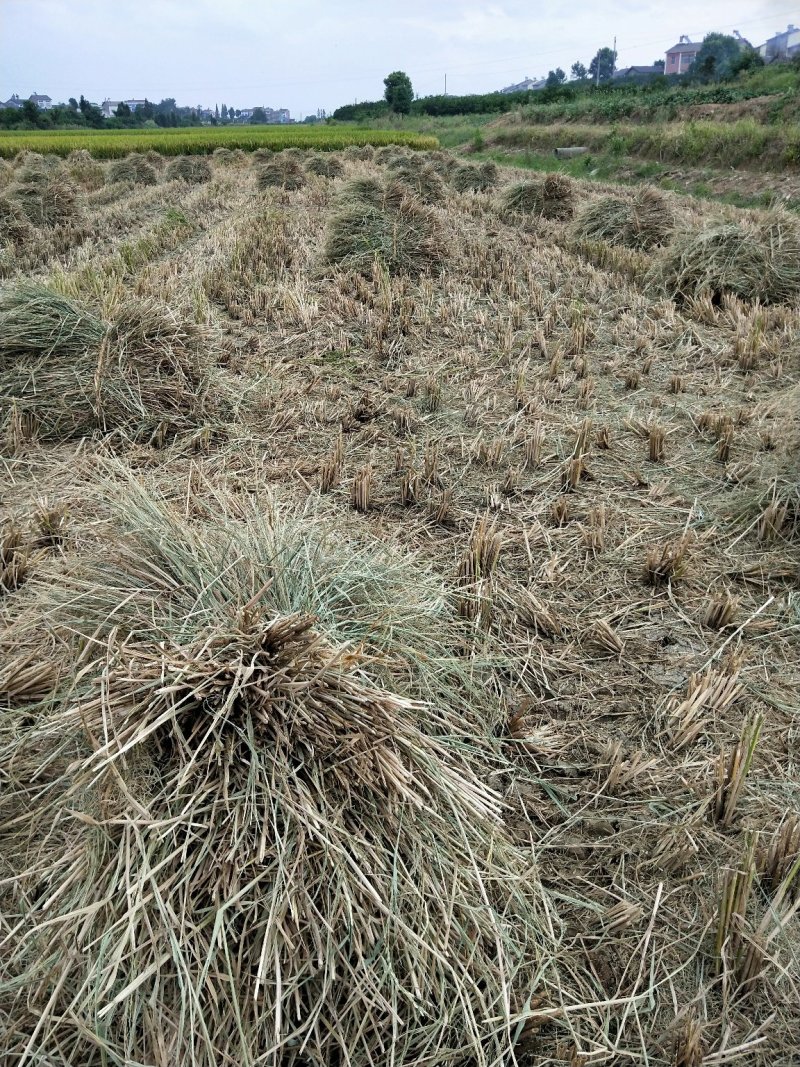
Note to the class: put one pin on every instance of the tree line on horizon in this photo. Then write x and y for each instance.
(81, 113)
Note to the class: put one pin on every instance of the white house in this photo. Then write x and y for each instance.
(108, 107)
(528, 85)
(782, 45)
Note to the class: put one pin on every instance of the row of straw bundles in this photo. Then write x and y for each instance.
(755, 258)
(258, 848)
(71, 371)
(373, 220)
(551, 197)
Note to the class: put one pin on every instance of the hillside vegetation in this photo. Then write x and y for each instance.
(725, 144)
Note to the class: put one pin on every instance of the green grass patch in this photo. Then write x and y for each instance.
(450, 131)
(744, 143)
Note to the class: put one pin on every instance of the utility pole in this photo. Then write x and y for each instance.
(445, 85)
(614, 58)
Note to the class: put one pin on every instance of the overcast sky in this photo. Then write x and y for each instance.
(316, 53)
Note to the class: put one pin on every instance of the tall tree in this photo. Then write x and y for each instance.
(30, 112)
(398, 92)
(602, 66)
(259, 115)
(555, 77)
(578, 71)
(717, 58)
(92, 113)
(123, 111)
(73, 103)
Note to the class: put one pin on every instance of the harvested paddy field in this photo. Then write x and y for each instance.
(399, 615)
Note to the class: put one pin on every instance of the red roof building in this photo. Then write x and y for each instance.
(681, 56)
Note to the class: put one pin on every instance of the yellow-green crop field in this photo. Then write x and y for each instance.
(111, 144)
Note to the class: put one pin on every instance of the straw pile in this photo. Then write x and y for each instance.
(371, 190)
(359, 151)
(25, 158)
(155, 159)
(133, 168)
(46, 196)
(386, 154)
(642, 221)
(71, 371)
(15, 226)
(84, 170)
(325, 164)
(756, 259)
(16, 232)
(282, 170)
(420, 177)
(551, 197)
(192, 169)
(476, 178)
(384, 223)
(258, 846)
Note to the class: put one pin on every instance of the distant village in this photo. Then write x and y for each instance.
(113, 108)
(679, 58)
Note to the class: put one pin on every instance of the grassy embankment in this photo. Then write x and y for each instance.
(745, 143)
(770, 93)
